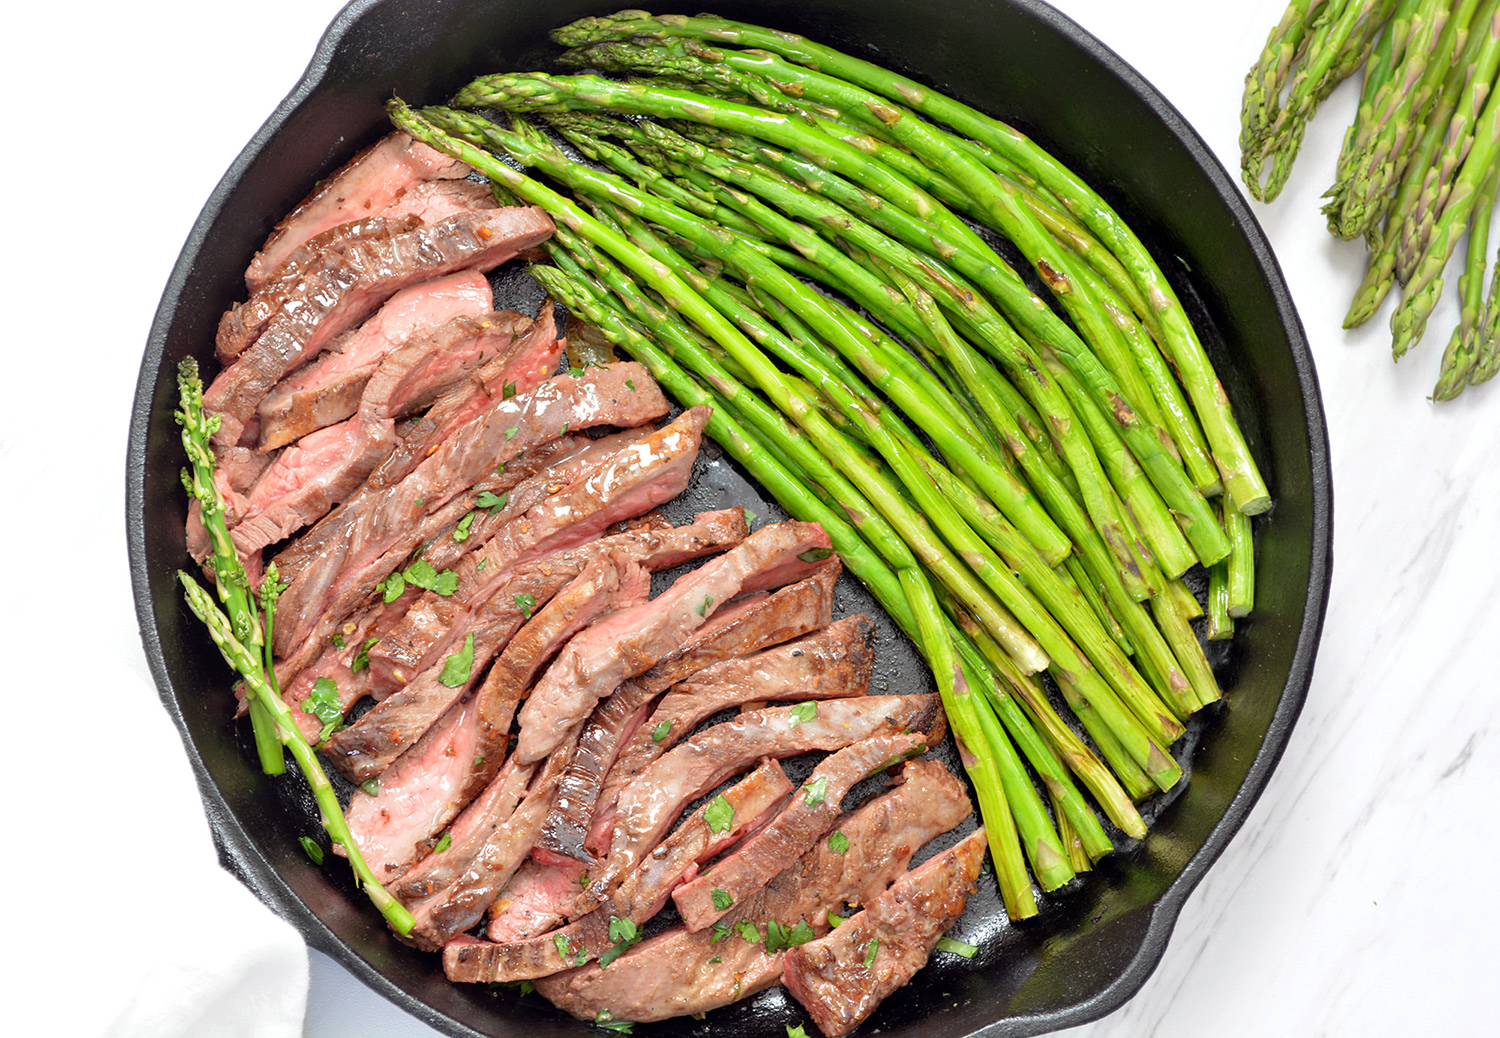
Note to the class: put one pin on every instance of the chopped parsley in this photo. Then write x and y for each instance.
(722, 901)
(525, 603)
(956, 947)
(871, 950)
(461, 531)
(609, 1023)
(311, 849)
(510, 434)
(746, 929)
(392, 588)
(323, 703)
(560, 942)
(507, 391)
(494, 502)
(624, 933)
(705, 605)
(817, 789)
(338, 640)
(443, 844)
(721, 931)
(630, 384)
(779, 938)
(795, 1032)
(422, 574)
(838, 843)
(660, 731)
(576, 372)
(362, 658)
(803, 713)
(719, 814)
(456, 667)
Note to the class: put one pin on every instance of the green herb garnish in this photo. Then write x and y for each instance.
(456, 667)
(718, 815)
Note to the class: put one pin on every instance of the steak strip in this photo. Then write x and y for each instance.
(341, 289)
(328, 390)
(840, 978)
(630, 642)
(807, 817)
(367, 183)
(638, 898)
(649, 804)
(462, 903)
(678, 972)
(745, 625)
(380, 530)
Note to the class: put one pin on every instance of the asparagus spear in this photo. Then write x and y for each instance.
(1334, 43)
(1425, 284)
(1420, 43)
(1459, 358)
(1461, 139)
(1380, 273)
(1241, 477)
(1487, 351)
(241, 639)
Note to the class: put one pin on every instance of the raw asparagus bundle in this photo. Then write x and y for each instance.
(782, 231)
(1417, 170)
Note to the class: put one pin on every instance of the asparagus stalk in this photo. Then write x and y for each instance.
(1419, 237)
(236, 630)
(1487, 351)
(1419, 44)
(1459, 358)
(1219, 625)
(1409, 320)
(1334, 43)
(1241, 477)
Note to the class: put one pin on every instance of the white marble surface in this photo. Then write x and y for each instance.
(1356, 901)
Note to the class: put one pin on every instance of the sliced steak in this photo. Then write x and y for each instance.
(678, 972)
(841, 977)
(433, 617)
(629, 483)
(744, 626)
(435, 200)
(328, 389)
(340, 289)
(365, 185)
(490, 810)
(242, 323)
(639, 897)
(535, 900)
(538, 357)
(413, 800)
(653, 800)
(617, 721)
(630, 642)
(462, 903)
(805, 819)
(834, 662)
(377, 531)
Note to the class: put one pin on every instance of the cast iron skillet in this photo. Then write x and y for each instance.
(1094, 944)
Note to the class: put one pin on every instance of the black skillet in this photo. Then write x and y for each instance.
(1092, 945)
